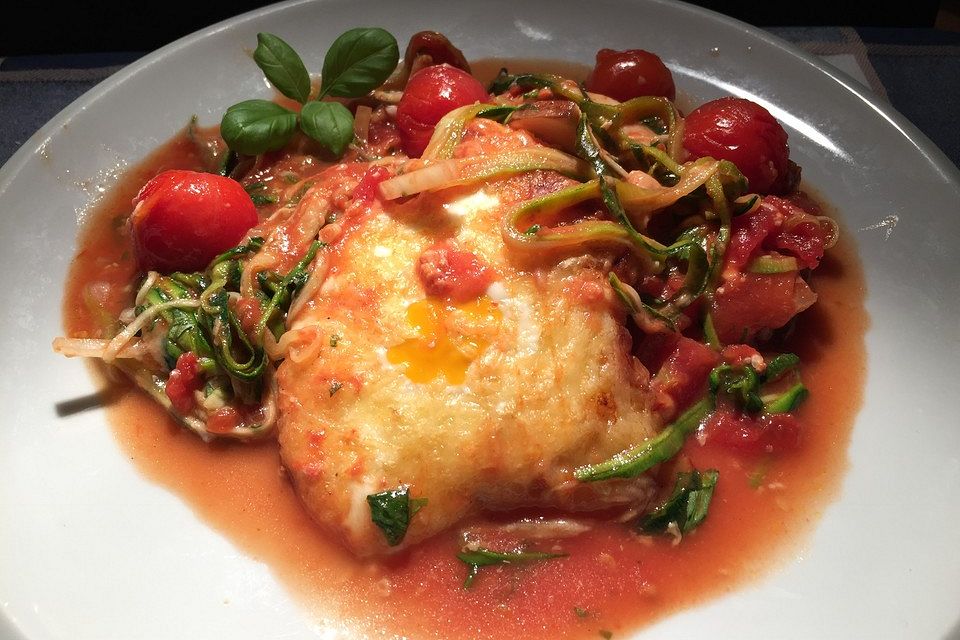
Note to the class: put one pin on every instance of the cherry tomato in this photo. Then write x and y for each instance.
(184, 219)
(432, 93)
(744, 133)
(622, 75)
(454, 275)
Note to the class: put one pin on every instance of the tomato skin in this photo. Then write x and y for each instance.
(457, 276)
(183, 381)
(184, 219)
(623, 75)
(753, 435)
(744, 133)
(432, 93)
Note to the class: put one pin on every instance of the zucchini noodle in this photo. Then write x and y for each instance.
(113, 348)
(461, 171)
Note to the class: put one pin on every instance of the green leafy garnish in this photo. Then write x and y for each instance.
(475, 559)
(329, 123)
(253, 127)
(357, 62)
(392, 510)
(687, 506)
(282, 66)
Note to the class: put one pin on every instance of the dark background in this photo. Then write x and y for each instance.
(144, 25)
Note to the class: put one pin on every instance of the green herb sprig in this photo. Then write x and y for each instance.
(392, 510)
(357, 62)
(687, 506)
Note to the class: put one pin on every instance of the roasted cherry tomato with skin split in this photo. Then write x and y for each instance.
(744, 133)
(184, 219)
(432, 93)
(623, 75)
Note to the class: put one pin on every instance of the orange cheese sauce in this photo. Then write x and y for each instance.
(610, 580)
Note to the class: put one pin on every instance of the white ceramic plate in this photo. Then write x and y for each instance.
(89, 549)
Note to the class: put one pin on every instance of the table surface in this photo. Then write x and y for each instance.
(916, 70)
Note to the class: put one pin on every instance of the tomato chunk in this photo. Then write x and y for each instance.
(223, 420)
(776, 225)
(744, 133)
(622, 75)
(458, 276)
(183, 381)
(432, 93)
(184, 219)
(770, 433)
(681, 375)
(366, 190)
(750, 303)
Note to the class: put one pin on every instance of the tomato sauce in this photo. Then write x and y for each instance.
(611, 580)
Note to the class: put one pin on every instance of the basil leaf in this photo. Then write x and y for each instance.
(688, 504)
(478, 558)
(252, 127)
(329, 123)
(282, 66)
(357, 62)
(392, 510)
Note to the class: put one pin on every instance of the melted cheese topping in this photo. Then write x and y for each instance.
(489, 404)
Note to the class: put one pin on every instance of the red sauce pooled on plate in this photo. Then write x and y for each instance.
(612, 580)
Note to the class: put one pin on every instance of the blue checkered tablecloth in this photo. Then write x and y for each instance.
(916, 70)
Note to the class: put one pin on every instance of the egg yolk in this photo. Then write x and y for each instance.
(449, 337)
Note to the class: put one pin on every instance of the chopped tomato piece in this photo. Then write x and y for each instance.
(747, 233)
(183, 381)
(771, 433)
(681, 377)
(454, 275)
(749, 303)
(738, 355)
(366, 190)
(805, 241)
(776, 225)
(249, 312)
(223, 420)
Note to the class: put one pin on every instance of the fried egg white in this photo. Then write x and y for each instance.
(486, 404)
